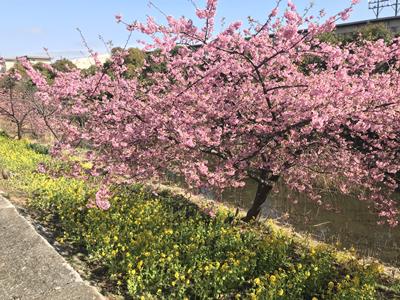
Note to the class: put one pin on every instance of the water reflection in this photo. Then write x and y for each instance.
(349, 221)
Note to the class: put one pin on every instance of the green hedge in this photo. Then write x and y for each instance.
(161, 246)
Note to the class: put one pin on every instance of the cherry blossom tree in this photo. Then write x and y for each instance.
(16, 105)
(238, 104)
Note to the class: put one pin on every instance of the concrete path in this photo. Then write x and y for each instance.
(29, 266)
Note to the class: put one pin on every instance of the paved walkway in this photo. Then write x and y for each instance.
(29, 266)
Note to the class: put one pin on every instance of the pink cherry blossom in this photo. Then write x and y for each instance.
(102, 197)
(118, 18)
(268, 102)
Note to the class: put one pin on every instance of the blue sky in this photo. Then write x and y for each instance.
(27, 26)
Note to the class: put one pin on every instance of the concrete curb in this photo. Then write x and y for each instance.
(30, 268)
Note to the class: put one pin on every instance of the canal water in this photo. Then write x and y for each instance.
(349, 222)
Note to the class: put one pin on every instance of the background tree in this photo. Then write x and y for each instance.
(49, 71)
(134, 59)
(16, 101)
(369, 32)
(63, 65)
(375, 32)
(45, 70)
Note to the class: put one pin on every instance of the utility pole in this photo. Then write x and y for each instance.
(396, 8)
(377, 5)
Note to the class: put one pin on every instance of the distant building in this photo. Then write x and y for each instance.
(10, 62)
(86, 62)
(392, 23)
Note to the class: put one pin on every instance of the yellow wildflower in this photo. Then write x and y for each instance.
(168, 231)
(140, 264)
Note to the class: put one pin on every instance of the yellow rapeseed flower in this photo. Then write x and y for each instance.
(140, 264)
(280, 292)
(257, 281)
(168, 231)
(272, 278)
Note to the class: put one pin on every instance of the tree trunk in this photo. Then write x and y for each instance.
(264, 188)
(19, 131)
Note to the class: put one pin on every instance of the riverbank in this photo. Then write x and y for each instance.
(154, 243)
